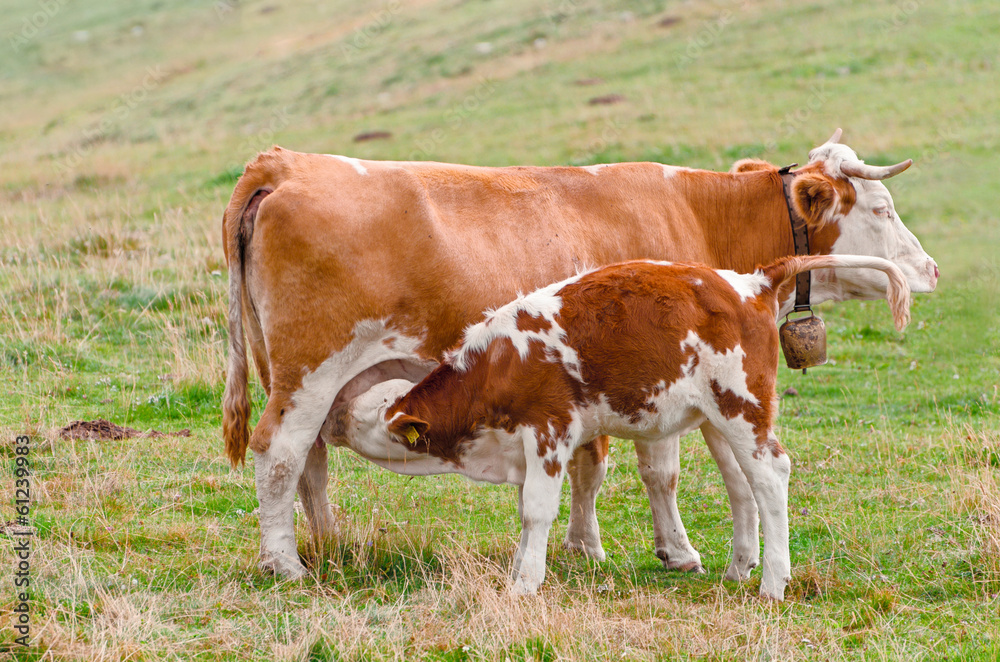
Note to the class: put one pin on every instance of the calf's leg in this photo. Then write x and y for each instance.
(746, 539)
(659, 466)
(539, 507)
(767, 469)
(587, 469)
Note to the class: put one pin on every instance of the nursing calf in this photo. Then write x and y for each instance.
(639, 350)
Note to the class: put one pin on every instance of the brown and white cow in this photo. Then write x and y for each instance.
(345, 273)
(639, 350)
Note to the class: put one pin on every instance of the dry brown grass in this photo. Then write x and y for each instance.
(984, 492)
(463, 605)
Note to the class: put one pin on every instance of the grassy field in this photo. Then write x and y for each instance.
(124, 126)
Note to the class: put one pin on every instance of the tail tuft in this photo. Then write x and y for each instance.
(898, 297)
(897, 292)
(237, 228)
(236, 417)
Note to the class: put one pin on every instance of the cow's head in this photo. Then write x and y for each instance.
(850, 211)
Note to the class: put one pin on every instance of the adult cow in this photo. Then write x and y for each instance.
(346, 273)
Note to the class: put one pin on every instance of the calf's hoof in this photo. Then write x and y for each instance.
(591, 551)
(740, 572)
(521, 587)
(775, 592)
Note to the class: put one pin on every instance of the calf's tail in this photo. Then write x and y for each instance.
(897, 293)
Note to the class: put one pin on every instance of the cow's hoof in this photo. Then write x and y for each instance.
(772, 596)
(592, 551)
(684, 563)
(291, 570)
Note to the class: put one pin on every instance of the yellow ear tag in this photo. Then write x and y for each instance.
(412, 435)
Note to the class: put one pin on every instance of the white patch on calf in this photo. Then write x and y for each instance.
(495, 456)
(726, 367)
(595, 169)
(746, 285)
(353, 162)
(502, 323)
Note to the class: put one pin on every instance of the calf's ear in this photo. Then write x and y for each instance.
(408, 428)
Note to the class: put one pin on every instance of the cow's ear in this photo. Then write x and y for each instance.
(814, 197)
(408, 428)
(752, 165)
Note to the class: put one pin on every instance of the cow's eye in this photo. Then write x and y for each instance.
(883, 212)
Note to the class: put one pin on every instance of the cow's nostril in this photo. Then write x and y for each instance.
(937, 274)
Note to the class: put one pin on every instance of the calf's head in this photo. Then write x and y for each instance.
(850, 211)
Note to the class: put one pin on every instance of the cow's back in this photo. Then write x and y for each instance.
(429, 246)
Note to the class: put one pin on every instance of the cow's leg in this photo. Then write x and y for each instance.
(660, 467)
(543, 480)
(278, 469)
(312, 492)
(746, 540)
(587, 469)
(767, 469)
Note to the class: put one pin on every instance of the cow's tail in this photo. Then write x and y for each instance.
(897, 293)
(257, 182)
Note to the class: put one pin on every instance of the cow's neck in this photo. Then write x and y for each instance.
(744, 217)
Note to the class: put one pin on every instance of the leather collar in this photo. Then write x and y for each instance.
(800, 239)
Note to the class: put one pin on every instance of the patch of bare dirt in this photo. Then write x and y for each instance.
(372, 135)
(606, 100)
(102, 429)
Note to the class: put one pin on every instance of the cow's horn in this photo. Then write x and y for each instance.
(864, 171)
(835, 138)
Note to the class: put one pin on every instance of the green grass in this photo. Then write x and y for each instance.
(124, 128)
